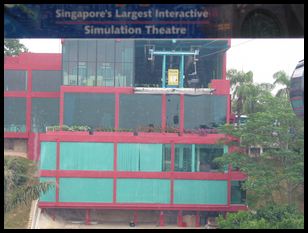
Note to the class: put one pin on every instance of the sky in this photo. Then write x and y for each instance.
(263, 57)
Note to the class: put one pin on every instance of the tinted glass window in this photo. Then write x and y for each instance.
(173, 111)
(183, 158)
(46, 80)
(14, 114)
(45, 112)
(238, 195)
(204, 111)
(94, 110)
(205, 155)
(138, 111)
(15, 80)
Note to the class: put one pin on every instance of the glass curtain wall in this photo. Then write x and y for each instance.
(105, 62)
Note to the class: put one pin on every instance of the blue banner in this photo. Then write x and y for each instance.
(112, 21)
(153, 20)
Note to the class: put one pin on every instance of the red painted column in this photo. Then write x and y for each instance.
(88, 217)
(229, 185)
(163, 112)
(228, 109)
(172, 174)
(28, 113)
(115, 155)
(117, 111)
(182, 114)
(161, 219)
(197, 219)
(180, 219)
(57, 170)
(136, 217)
(61, 107)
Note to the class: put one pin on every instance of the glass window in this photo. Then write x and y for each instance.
(82, 50)
(91, 74)
(140, 110)
(46, 80)
(123, 74)
(82, 74)
(45, 112)
(91, 50)
(89, 109)
(14, 114)
(73, 46)
(72, 73)
(238, 195)
(204, 111)
(173, 111)
(105, 74)
(143, 157)
(183, 158)
(15, 80)
(205, 155)
(65, 73)
(105, 50)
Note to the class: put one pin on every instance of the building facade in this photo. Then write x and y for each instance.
(152, 108)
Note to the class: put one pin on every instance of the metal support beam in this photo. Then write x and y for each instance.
(182, 72)
(88, 217)
(164, 72)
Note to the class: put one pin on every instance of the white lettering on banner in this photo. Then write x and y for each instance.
(151, 29)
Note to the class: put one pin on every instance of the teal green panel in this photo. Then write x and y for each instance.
(50, 195)
(143, 191)
(86, 156)
(85, 190)
(151, 157)
(200, 191)
(48, 156)
(128, 157)
(225, 149)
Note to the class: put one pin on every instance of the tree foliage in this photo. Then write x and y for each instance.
(13, 47)
(269, 217)
(21, 186)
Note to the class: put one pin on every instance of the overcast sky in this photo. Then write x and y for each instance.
(263, 57)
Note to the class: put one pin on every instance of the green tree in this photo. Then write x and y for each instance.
(269, 217)
(21, 186)
(13, 47)
(275, 175)
(281, 78)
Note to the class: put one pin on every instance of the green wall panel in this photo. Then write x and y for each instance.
(86, 156)
(140, 157)
(128, 157)
(85, 190)
(48, 156)
(151, 157)
(50, 195)
(143, 191)
(200, 191)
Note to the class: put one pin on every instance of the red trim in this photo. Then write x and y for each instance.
(228, 109)
(197, 219)
(180, 219)
(181, 113)
(15, 94)
(57, 170)
(145, 175)
(224, 66)
(61, 113)
(163, 112)
(16, 135)
(45, 94)
(172, 174)
(229, 185)
(115, 172)
(142, 206)
(161, 219)
(88, 217)
(128, 137)
(96, 89)
(136, 217)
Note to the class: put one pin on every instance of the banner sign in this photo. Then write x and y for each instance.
(110, 21)
(152, 20)
(173, 77)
